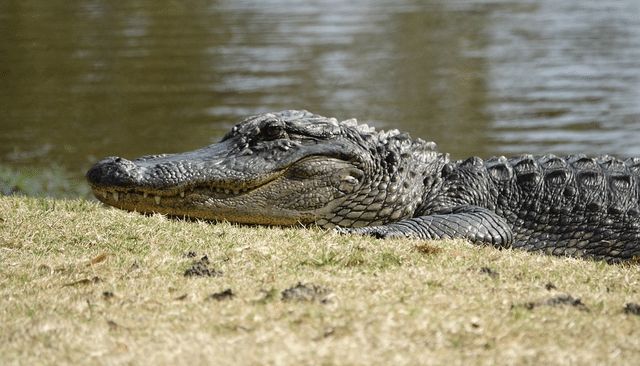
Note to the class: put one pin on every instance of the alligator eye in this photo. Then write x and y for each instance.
(272, 130)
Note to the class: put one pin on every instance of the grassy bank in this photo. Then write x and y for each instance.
(81, 284)
(49, 181)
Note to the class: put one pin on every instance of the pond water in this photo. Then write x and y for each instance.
(86, 79)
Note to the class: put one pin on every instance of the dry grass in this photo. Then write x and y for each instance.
(80, 283)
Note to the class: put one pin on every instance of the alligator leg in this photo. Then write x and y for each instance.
(473, 223)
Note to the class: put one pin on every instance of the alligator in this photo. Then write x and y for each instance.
(299, 168)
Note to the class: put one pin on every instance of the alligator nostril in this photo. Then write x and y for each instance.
(112, 171)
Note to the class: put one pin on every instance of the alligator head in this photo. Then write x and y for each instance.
(285, 168)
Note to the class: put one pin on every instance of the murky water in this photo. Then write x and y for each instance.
(85, 79)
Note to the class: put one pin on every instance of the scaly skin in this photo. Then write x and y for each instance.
(294, 167)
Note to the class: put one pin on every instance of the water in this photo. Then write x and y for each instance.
(85, 79)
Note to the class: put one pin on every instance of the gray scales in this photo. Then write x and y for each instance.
(295, 167)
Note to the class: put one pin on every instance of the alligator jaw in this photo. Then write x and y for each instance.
(180, 200)
(263, 198)
(129, 199)
(197, 203)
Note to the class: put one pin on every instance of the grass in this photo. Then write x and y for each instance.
(83, 284)
(50, 181)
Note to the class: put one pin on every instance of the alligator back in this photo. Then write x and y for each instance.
(573, 205)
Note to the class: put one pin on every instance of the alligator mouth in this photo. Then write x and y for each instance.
(239, 200)
(141, 198)
(118, 196)
(124, 194)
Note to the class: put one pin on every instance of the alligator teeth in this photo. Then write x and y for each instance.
(157, 198)
(145, 194)
(182, 194)
(115, 196)
(104, 194)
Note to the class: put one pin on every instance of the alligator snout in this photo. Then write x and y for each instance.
(113, 171)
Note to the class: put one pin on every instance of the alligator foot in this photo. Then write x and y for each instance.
(476, 224)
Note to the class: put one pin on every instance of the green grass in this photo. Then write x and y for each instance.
(83, 284)
(52, 181)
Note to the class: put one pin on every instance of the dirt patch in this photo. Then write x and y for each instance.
(566, 299)
(307, 292)
(200, 268)
(97, 259)
(632, 308)
(134, 266)
(559, 300)
(84, 281)
(113, 326)
(222, 295)
(427, 249)
(490, 272)
(44, 269)
(182, 297)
